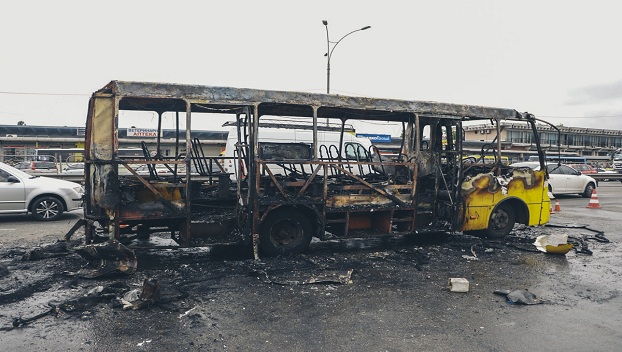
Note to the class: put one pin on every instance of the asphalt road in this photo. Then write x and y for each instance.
(396, 298)
(23, 230)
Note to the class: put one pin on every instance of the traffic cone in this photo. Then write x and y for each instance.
(594, 201)
(557, 207)
(551, 197)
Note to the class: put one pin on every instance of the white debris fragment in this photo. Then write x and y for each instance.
(470, 257)
(95, 290)
(187, 312)
(458, 284)
(126, 304)
(132, 295)
(550, 240)
(141, 344)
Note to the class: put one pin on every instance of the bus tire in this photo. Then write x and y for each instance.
(501, 221)
(285, 232)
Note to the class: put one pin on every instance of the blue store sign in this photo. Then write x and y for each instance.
(376, 138)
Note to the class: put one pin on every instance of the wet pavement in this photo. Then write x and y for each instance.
(373, 294)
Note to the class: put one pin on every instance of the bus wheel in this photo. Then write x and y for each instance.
(285, 232)
(501, 222)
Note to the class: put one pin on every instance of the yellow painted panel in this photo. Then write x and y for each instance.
(102, 133)
(476, 218)
(483, 192)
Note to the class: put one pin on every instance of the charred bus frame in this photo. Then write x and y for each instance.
(319, 190)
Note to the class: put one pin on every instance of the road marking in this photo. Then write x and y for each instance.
(7, 229)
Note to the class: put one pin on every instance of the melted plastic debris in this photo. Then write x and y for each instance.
(520, 297)
(107, 258)
(555, 243)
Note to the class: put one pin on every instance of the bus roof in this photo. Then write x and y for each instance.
(161, 97)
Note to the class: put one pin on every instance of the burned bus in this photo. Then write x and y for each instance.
(284, 192)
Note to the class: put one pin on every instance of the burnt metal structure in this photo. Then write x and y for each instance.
(284, 193)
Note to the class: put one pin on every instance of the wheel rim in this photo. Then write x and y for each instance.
(286, 233)
(500, 219)
(47, 209)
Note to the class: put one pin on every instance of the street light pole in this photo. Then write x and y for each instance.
(329, 51)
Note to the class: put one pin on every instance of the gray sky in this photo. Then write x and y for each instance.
(559, 60)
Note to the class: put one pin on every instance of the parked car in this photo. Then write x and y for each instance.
(584, 168)
(602, 171)
(37, 167)
(74, 169)
(563, 179)
(43, 197)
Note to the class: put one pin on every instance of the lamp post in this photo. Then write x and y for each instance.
(329, 51)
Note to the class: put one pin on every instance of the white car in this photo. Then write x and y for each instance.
(45, 198)
(74, 169)
(563, 179)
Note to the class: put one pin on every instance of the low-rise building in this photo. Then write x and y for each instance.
(593, 143)
(19, 142)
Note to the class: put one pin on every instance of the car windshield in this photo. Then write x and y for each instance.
(16, 172)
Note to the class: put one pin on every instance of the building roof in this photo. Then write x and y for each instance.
(542, 127)
(79, 132)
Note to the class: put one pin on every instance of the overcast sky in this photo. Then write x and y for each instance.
(559, 60)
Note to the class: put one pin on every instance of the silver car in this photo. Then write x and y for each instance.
(45, 198)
